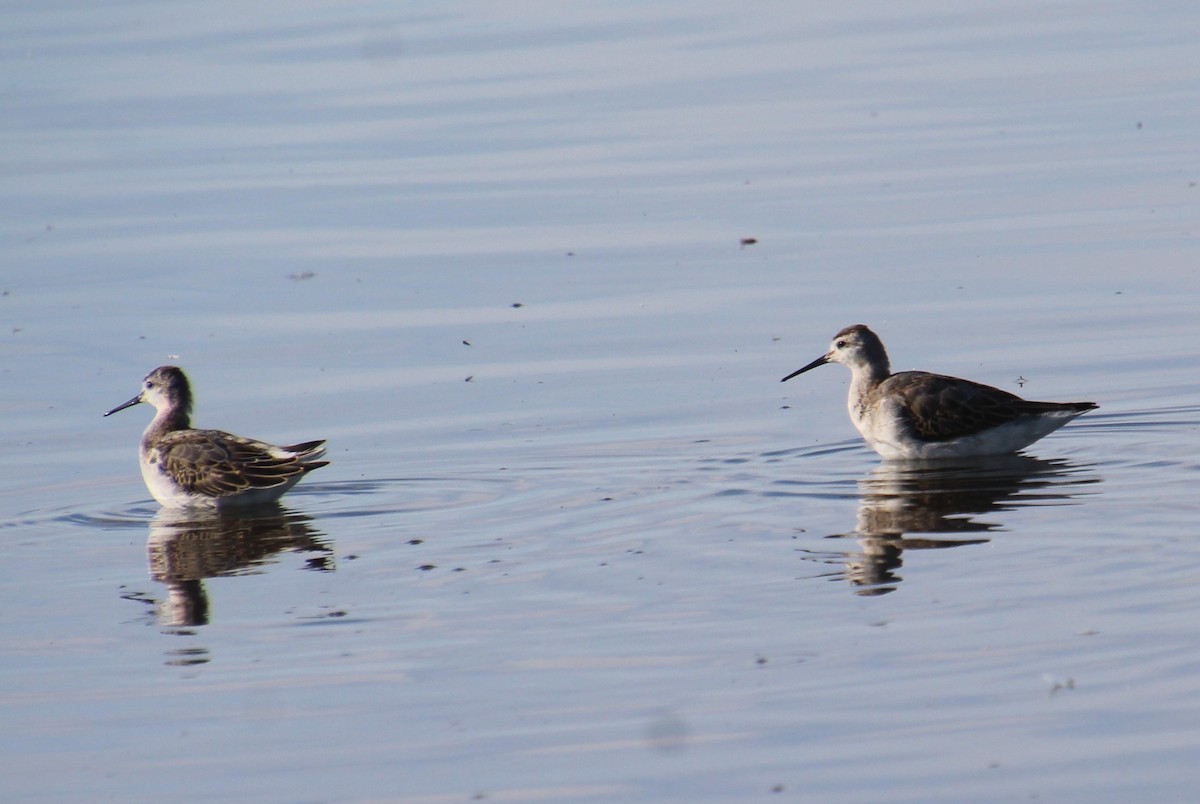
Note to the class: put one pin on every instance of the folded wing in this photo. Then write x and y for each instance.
(218, 464)
(940, 408)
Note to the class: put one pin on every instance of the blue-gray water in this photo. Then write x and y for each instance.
(577, 543)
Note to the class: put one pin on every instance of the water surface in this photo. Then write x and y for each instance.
(577, 543)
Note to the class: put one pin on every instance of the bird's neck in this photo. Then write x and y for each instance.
(864, 379)
(168, 420)
(866, 376)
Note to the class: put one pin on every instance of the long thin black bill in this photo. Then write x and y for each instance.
(124, 405)
(820, 361)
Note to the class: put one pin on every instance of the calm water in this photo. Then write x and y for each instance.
(577, 542)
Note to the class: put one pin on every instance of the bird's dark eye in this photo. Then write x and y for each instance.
(149, 384)
(840, 344)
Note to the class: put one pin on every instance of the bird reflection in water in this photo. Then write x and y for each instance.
(187, 546)
(941, 501)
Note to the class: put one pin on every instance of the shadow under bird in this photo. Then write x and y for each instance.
(186, 467)
(915, 414)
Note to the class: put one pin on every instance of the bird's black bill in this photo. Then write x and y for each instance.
(124, 405)
(820, 361)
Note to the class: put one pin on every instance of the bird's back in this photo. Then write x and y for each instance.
(941, 408)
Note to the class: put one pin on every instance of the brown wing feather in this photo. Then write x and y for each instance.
(313, 449)
(218, 464)
(940, 408)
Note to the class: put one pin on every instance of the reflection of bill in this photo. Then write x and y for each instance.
(898, 499)
(187, 546)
